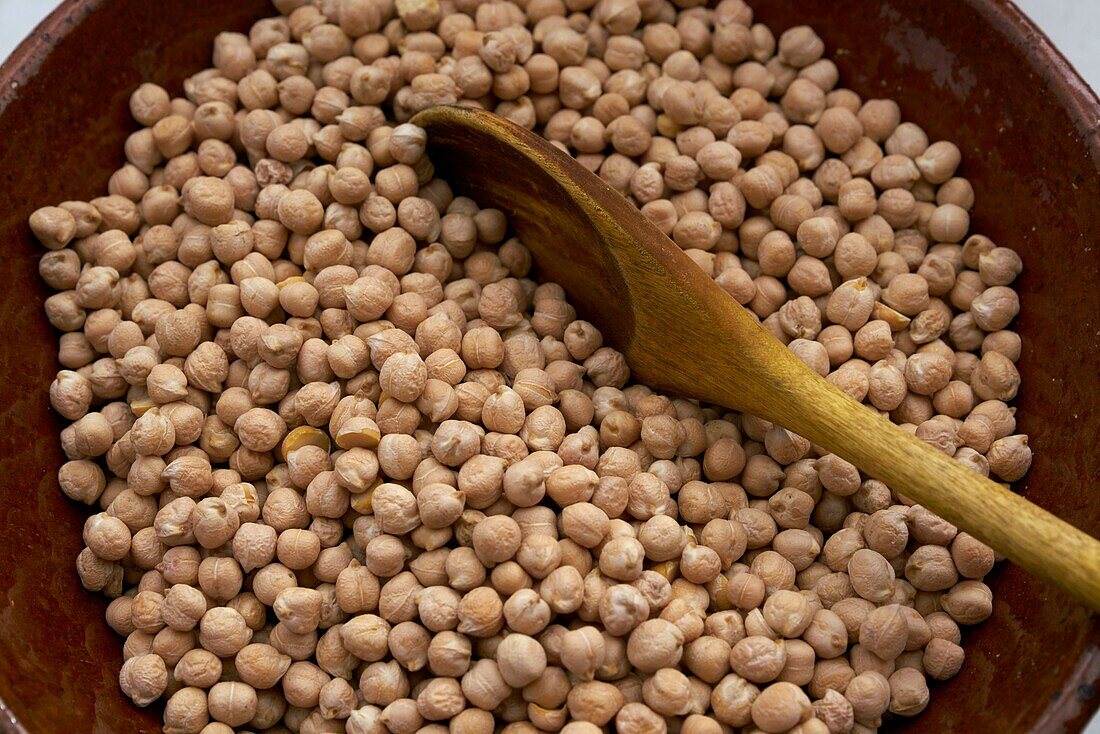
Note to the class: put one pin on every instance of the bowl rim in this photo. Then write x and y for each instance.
(1056, 73)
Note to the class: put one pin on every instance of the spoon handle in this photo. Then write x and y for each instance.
(801, 401)
(682, 334)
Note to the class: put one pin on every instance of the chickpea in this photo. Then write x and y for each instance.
(186, 711)
(199, 668)
(595, 702)
(732, 700)
(779, 707)
(521, 659)
(968, 602)
(143, 678)
(655, 644)
(872, 576)
(223, 631)
(869, 696)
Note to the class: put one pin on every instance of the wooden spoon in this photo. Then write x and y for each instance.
(682, 334)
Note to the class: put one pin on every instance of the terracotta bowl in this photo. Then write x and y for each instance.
(976, 72)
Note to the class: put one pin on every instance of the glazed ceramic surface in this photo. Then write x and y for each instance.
(974, 71)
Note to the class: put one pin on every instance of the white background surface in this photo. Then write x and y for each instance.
(1072, 24)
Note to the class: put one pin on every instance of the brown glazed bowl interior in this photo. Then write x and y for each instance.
(975, 71)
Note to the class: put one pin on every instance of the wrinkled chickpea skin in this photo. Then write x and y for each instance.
(353, 469)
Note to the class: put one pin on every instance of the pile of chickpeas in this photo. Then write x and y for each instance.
(356, 471)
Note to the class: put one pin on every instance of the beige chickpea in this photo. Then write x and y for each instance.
(220, 578)
(732, 700)
(908, 692)
(496, 539)
(107, 536)
(968, 602)
(595, 702)
(149, 103)
(942, 658)
(949, 223)
(655, 644)
(622, 608)
(633, 716)
(582, 651)
(521, 659)
(297, 548)
(788, 613)
(270, 580)
(480, 613)
(199, 668)
(884, 632)
(780, 707)
(299, 609)
(1009, 457)
(186, 711)
(872, 575)
(403, 376)
(483, 685)
(143, 678)
(758, 659)
(232, 703)
(223, 631)
(999, 266)
(214, 522)
(668, 692)
(995, 308)
(302, 684)
(383, 683)
(300, 211)
(700, 564)
(931, 568)
(455, 442)
(869, 696)
(183, 607)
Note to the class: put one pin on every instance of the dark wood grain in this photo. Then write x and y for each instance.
(972, 71)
